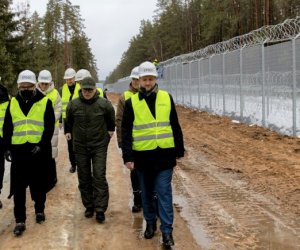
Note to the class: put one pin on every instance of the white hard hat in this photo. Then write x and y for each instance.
(69, 73)
(26, 76)
(45, 76)
(147, 69)
(82, 73)
(135, 73)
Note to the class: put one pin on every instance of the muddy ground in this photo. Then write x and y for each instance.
(238, 187)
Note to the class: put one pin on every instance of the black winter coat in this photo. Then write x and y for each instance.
(26, 168)
(158, 158)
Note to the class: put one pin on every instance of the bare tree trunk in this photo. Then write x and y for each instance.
(66, 49)
(258, 11)
(237, 11)
(161, 51)
(267, 12)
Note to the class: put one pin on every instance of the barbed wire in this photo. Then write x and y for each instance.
(287, 30)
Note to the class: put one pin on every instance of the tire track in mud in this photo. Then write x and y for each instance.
(223, 213)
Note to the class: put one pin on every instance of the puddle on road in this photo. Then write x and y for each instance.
(196, 228)
(222, 215)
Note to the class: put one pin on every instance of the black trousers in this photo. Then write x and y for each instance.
(38, 196)
(2, 165)
(135, 183)
(31, 171)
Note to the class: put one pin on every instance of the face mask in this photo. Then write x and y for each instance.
(27, 94)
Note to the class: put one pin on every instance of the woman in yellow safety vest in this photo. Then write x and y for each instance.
(46, 86)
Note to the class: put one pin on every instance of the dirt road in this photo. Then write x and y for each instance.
(238, 187)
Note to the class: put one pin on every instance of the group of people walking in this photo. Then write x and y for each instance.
(148, 133)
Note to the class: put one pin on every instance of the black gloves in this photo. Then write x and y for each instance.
(7, 155)
(36, 150)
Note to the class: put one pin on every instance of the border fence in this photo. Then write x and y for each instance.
(253, 78)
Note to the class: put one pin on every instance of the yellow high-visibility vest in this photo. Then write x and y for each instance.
(128, 94)
(28, 128)
(148, 132)
(3, 107)
(101, 93)
(53, 95)
(66, 97)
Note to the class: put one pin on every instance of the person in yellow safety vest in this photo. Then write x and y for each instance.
(81, 74)
(68, 92)
(4, 101)
(46, 86)
(27, 132)
(151, 141)
(132, 89)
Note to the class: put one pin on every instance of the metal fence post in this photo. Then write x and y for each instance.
(176, 83)
(223, 83)
(199, 83)
(263, 84)
(182, 91)
(210, 88)
(294, 86)
(190, 83)
(241, 85)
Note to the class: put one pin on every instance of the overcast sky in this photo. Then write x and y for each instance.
(110, 24)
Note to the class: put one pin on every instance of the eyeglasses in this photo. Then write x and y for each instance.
(44, 83)
(89, 90)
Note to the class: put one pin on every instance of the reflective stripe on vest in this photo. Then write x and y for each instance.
(66, 97)
(100, 92)
(3, 107)
(149, 133)
(28, 128)
(128, 94)
(53, 95)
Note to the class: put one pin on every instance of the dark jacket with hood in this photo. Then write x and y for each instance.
(158, 158)
(89, 122)
(27, 168)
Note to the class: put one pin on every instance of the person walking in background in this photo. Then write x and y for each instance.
(4, 101)
(27, 132)
(133, 88)
(151, 141)
(90, 121)
(69, 91)
(46, 86)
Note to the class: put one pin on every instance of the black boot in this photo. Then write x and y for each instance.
(19, 229)
(40, 218)
(100, 217)
(168, 240)
(150, 230)
(73, 169)
(137, 202)
(0, 204)
(89, 212)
